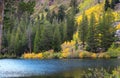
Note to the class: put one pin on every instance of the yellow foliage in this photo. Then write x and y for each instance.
(99, 35)
(75, 36)
(66, 50)
(84, 54)
(32, 56)
(115, 72)
(81, 55)
(72, 42)
(118, 26)
(28, 55)
(65, 54)
(68, 44)
(97, 10)
(94, 55)
(39, 55)
(116, 15)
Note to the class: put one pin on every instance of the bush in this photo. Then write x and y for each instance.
(65, 54)
(103, 55)
(8, 56)
(114, 52)
(32, 56)
(94, 55)
(85, 54)
(57, 55)
(47, 55)
(39, 56)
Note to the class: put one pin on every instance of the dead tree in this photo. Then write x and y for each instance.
(1, 21)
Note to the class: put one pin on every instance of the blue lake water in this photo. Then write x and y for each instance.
(52, 68)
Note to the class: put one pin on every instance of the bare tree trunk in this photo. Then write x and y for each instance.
(1, 21)
(29, 40)
(29, 43)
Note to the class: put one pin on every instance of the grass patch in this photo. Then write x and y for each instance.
(8, 56)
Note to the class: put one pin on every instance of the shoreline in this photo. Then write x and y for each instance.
(59, 58)
(61, 55)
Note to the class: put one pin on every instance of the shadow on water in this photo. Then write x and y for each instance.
(69, 68)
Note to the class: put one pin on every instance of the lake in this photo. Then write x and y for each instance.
(67, 68)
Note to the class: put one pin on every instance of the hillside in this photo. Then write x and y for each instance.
(67, 28)
(89, 6)
(41, 5)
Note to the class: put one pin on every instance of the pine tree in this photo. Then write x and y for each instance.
(107, 30)
(57, 39)
(26, 7)
(36, 41)
(42, 16)
(61, 13)
(83, 29)
(48, 16)
(117, 1)
(15, 28)
(74, 5)
(17, 42)
(64, 31)
(54, 15)
(46, 42)
(9, 12)
(112, 4)
(107, 5)
(91, 39)
(71, 26)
